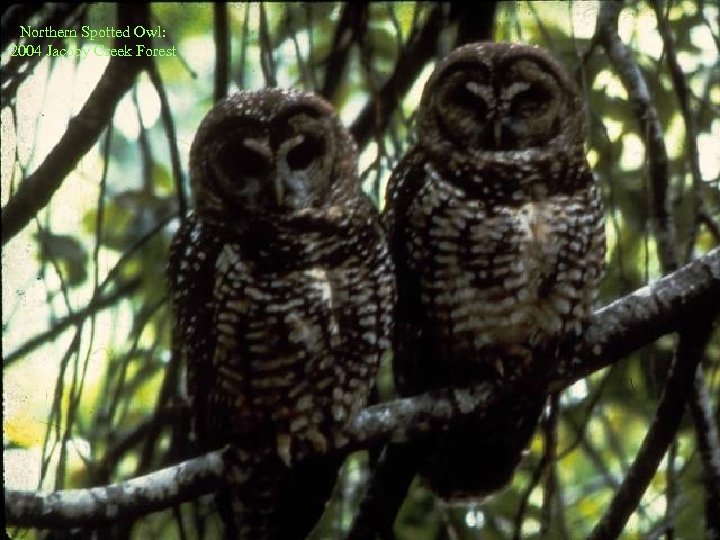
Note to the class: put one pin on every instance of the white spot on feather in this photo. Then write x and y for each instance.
(321, 283)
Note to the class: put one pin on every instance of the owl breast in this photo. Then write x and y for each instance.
(300, 331)
(493, 271)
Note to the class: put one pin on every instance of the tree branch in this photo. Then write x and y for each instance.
(638, 477)
(350, 29)
(35, 192)
(689, 295)
(17, 68)
(682, 93)
(420, 48)
(476, 21)
(222, 50)
(700, 408)
(621, 59)
(669, 413)
(97, 304)
(614, 332)
(125, 500)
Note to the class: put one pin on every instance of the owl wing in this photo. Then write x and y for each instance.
(191, 262)
(412, 347)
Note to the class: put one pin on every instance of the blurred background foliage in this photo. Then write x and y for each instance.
(92, 393)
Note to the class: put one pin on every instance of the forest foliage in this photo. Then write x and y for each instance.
(92, 392)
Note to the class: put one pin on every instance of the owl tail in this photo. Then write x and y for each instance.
(478, 458)
(268, 500)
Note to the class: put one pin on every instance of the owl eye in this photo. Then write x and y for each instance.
(243, 161)
(530, 102)
(467, 96)
(302, 155)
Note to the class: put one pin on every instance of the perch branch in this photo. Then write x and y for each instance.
(691, 294)
(615, 331)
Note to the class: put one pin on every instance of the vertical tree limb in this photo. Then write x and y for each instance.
(650, 129)
(222, 50)
(632, 79)
(170, 133)
(350, 29)
(701, 412)
(267, 60)
(662, 431)
(384, 494)
(682, 93)
(476, 21)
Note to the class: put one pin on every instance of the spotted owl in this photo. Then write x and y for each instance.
(283, 287)
(496, 228)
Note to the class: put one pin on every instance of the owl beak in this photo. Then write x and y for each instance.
(291, 181)
(279, 189)
(497, 132)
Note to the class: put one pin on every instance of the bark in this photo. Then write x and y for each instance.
(672, 303)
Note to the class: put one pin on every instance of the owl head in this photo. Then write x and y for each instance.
(270, 152)
(500, 97)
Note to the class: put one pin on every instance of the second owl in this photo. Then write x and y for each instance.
(496, 227)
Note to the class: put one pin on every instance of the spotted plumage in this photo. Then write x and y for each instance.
(496, 228)
(283, 290)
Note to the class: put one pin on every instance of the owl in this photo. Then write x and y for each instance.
(283, 289)
(496, 228)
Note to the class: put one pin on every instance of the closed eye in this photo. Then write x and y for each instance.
(302, 155)
(530, 102)
(462, 96)
(243, 162)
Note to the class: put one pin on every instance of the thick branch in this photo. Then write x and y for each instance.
(384, 494)
(636, 481)
(132, 498)
(35, 192)
(690, 294)
(615, 331)
(476, 21)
